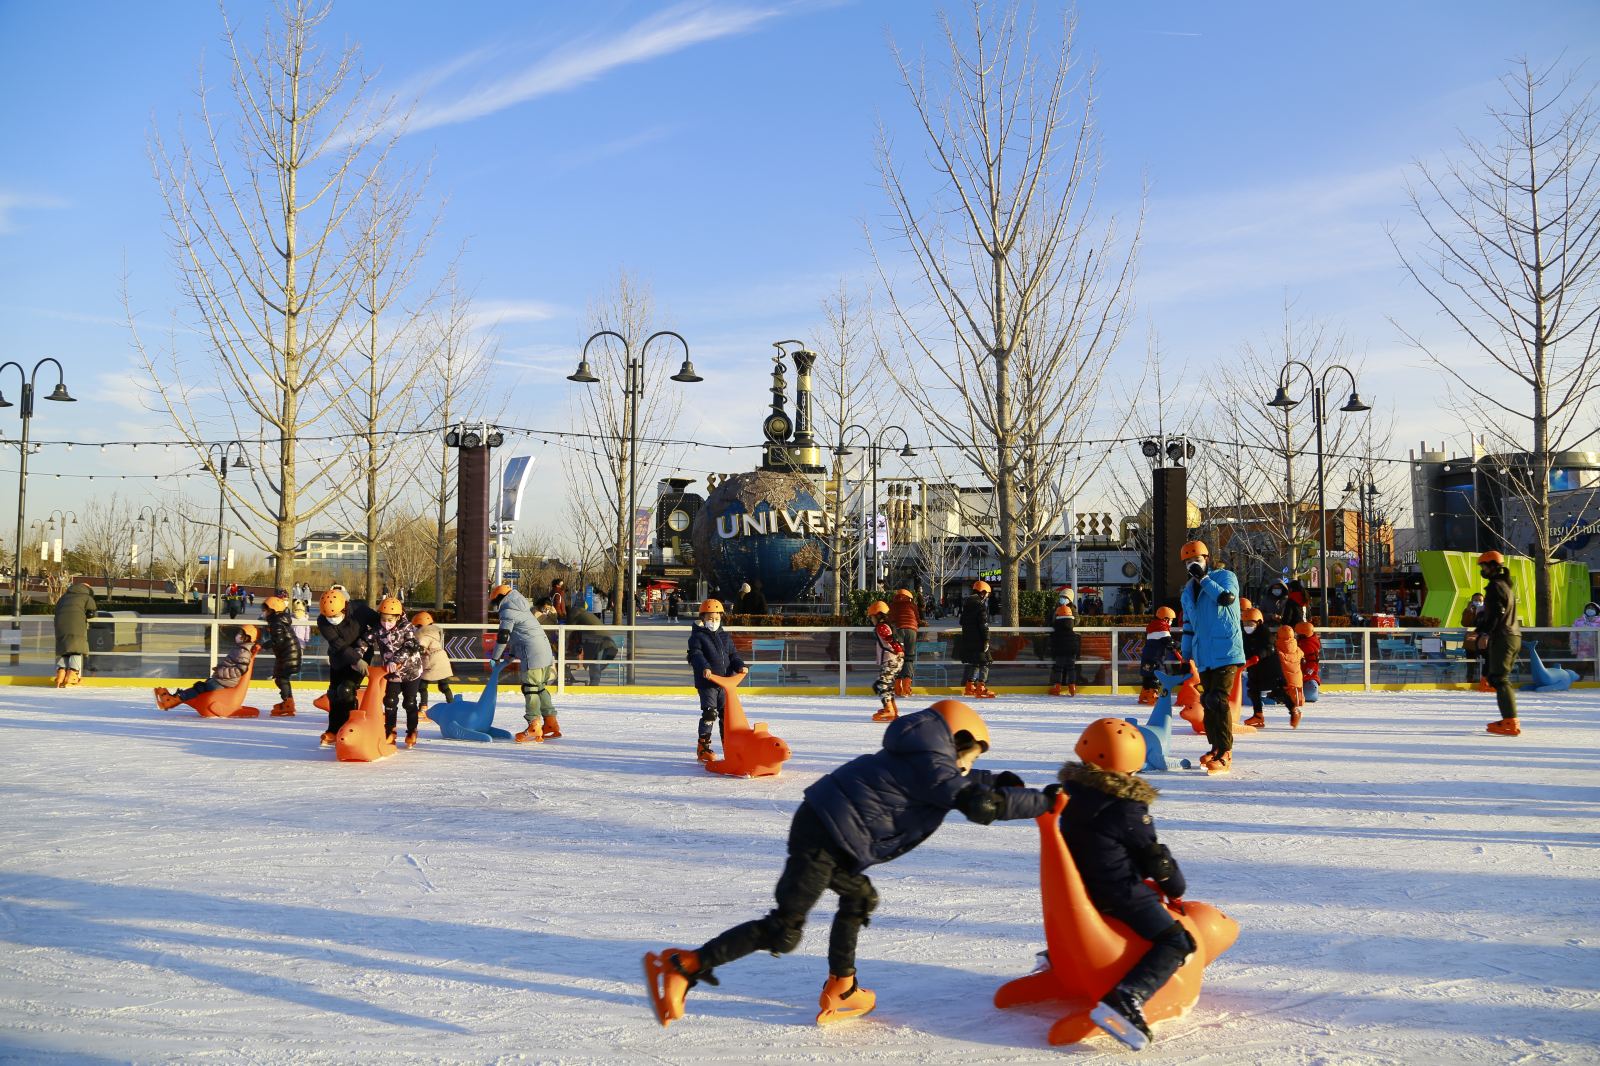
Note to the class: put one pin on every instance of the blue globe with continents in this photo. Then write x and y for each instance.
(762, 526)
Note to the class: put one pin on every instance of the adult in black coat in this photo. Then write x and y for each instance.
(73, 611)
(1500, 635)
(346, 664)
(974, 649)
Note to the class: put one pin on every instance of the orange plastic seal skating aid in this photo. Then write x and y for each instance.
(228, 702)
(363, 738)
(746, 751)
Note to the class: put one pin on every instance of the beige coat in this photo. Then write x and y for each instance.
(435, 663)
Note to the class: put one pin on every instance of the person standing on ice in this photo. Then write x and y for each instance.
(342, 632)
(1500, 638)
(522, 637)
(436, 668)
(975, 655)
(73, 611)
(1064, 646)
(906, 620)
(1212, 640)
(711, 654)
(891, 657)
(393, 643)
(1583, 644)
(285, 652)
(872, 809)
(1157, 654)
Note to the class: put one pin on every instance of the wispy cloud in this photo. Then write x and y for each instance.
(487, 314)
(12, 203)
(576, 62)
(611, 149)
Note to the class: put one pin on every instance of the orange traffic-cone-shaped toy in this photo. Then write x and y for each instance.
(747, 751)
(228, 702)
(363, 738)
(1090, 953)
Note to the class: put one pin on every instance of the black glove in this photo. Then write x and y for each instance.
(979, 804)
(360, 667)
(1196, 568)
(1052, 790)
(1224, 598)
(1007, 779)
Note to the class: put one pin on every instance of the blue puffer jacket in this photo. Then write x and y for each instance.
(712, 649)
(1211, 633)
(525, 634)
(880, 806)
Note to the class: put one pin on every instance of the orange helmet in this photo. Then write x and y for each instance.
(902, 594)
(878, 607)
(498, 591)
(1064, 610)
(1194, 549)
(275, 604)
(1492, 557)
(981, 585)
(250, 633)
(1166, 614)
(1304, 629)
(1112, 744)
(422, 618)
(710, 606)
(1250, 614)
(1244, 603)
(332, 602)
(961, 718)
(390, 605)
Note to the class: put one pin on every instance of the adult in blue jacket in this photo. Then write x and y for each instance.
(521, 637)
(872, 809)
(1213, 640)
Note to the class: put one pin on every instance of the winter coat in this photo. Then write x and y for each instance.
(1158, 647)
(903, 613)
(1294, 609)
(1311, 661)
(1211, 634)
(879, 806)
(974, 642)
(1289, 658)
(1584, 643)
(344, 644)
(73, 611)
(396, 647)
(1064, 640)
(302, 624)
(595, 642)
(1108, 830)
(522, 630)
(435, 663)
(753, 602)
(1469, 614)
(1499, 614)
(887, 644)
(711, 649)
(1267, 673)
(285, 645)
(232, 666)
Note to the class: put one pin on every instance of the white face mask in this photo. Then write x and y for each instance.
(713, 622)
(334, 618)
(1250, 628)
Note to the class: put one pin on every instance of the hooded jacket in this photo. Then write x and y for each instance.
(285, 644)
(522, 630)
(73, 611)
(435, 663)
(879, 806)
(1064, 639)
(1211, 634)
(1311, 658)
(396, 647)
(711, 649)
(1108, 830)
(344, 644)
(974, 628)
(232, 666)
(1499, 613)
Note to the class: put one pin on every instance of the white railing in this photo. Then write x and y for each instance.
(801, 658)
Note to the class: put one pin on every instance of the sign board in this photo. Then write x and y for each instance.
(205, 560)
(641, 529)
(881, 532)
(513, 480)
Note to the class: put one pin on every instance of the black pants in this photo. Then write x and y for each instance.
(596, 655)
(411, 692)
(1064, 670)
(712, 700)
(285, 689)
(1170, 942)
(444, 690)
(342, 688)
(1498, 663)
(1218, 685)
(815, 865)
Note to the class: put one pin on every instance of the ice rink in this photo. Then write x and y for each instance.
(1408, 889)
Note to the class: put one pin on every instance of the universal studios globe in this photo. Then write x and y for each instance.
(764, 526)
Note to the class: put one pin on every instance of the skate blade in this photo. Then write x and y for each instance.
(1118, 1027)
(656, 971)
(834, 1015)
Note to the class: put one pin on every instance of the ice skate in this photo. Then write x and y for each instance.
(1294, 718)
(61, 677)
(1505, 727)
(1256, 721)
(702, 750)
(388, 738)
(1484, 686)
(422, 714)
(531, 735)
(1147, 697)
(74, 677)
(842, 999)
(888, 712)
(166, 700)
(669, 976)
(551, 728)
(1217, 762)
(1119, 1015)
(327, 740)
(411, 740)
(1055, 690)
(985, 692)
(283, 709)
(970, 689)
(1072, 690)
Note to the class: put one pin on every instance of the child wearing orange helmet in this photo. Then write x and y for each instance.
(228, 672)
(1305, 635)
(872, 809)
(341, 631)
(711, 652)
(1159, 651)
(891, 658)
(393, 643)
(1064, 646)
(285, 651)
(974, 643)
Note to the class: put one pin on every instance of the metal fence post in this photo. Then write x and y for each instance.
(1116, 665)
(215, 626)
(1366, 660)
(561, 663)
(844, 659)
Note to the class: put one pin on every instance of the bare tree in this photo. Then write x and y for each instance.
(407, 543)
(256, 217)
(1020, 297)
(180, 541)
(102, 539)
(597, 470)
(1512, 259)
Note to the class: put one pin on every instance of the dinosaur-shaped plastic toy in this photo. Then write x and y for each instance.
(746, 751)
(363, 738)
(464, 719)
(1089, 953)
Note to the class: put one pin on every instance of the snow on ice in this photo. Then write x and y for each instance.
(1408, 889)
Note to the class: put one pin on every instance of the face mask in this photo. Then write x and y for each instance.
(1277, 594)
(713, 623)
(1251, 628)
(1060, 600)
(334, 618)
(388, 622)
(1590, 613)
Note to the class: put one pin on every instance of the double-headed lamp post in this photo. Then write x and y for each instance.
(218, 457)
(151, 514)
(1371, 545)
(875, 448)
(26, 406)
(1283, 401)
(632, 393)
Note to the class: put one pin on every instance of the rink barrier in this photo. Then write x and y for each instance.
(798, 661)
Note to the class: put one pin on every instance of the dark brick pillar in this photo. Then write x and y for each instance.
(472, 534)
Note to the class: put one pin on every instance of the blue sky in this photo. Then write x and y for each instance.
(723, 152)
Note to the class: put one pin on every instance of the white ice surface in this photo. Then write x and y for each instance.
(1409, 890)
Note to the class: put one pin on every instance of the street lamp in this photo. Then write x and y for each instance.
(875, 447)
(217, 457)
(633, 392)
(150, 560)
(65, 517)
(1283, 401)
(59, 394)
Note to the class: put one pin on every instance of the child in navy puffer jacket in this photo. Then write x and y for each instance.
(711, 652)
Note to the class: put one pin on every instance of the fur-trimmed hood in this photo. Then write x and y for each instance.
(1119, 786)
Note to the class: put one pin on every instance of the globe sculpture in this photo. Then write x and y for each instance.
(762, 526)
